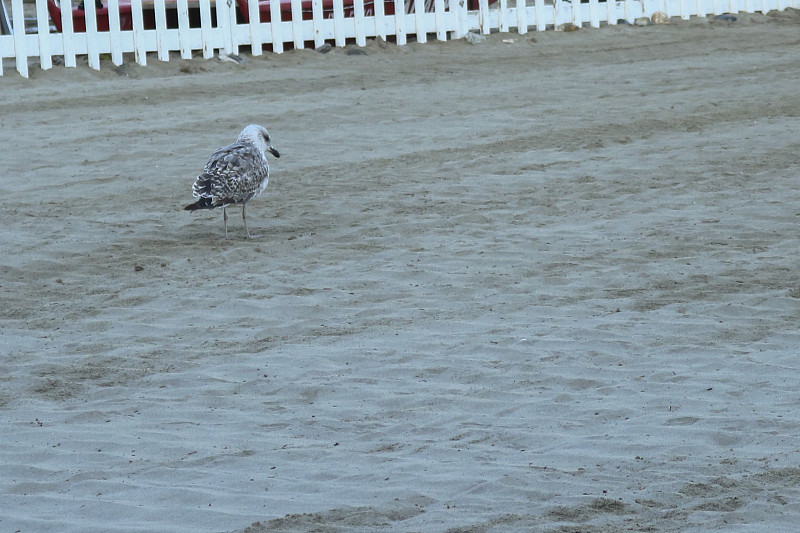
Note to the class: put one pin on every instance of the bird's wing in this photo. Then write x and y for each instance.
(232, 174)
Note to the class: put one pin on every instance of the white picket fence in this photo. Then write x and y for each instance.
(159, 27)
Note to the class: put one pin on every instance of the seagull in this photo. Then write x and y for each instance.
(235, 174)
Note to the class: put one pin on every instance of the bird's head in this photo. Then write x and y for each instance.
(258, 136)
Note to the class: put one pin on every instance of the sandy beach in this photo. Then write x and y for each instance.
(548, 282)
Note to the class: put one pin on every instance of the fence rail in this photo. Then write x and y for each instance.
(142, 27)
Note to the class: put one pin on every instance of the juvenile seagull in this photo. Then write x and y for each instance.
(235, 174)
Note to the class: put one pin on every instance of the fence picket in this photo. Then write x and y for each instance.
(400, 22)
(90, 16)
(483, 18)
(254, 21)
(611, 12)
(162, 49)
(184, 33)
(316, 8)
(206, 31)
(594, 13)
(359, 23)
(419, 21)
(18, 24)
(575, 13)
(275, 26)
(226, 21)
(538, 8)
(439, 19)
(298, 27)
(140, 50)
(67, 35)
(628, 10)
(43, 31)
(502, 16)
(338, 23)
(461, 12)
(380, 20)
(522, 17)
(114, 32)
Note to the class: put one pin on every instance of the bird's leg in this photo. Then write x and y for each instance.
(244, 220)
(225, 221)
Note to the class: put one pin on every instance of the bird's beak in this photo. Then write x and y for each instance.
(274, 152)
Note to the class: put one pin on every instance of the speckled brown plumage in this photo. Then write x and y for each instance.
(235, 174)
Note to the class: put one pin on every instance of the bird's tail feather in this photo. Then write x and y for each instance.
(202, 203)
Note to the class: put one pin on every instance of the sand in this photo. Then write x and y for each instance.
(541, 285)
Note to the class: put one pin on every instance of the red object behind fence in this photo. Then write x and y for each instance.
(79, 22)
(126, 17)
